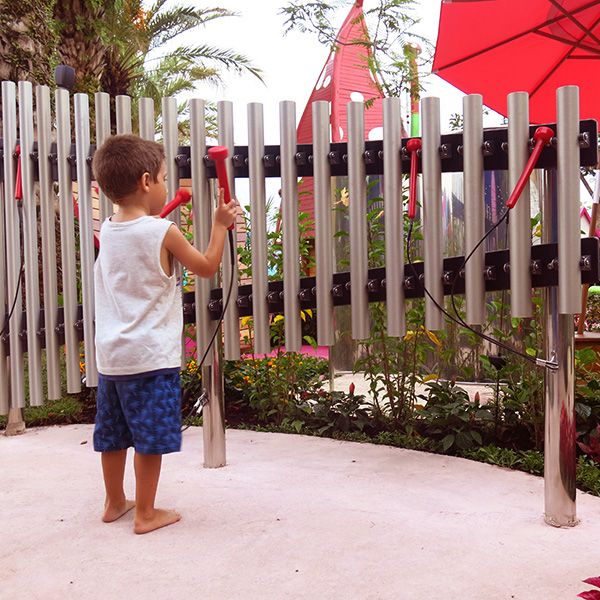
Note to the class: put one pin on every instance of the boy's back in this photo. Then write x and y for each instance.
(139, 316)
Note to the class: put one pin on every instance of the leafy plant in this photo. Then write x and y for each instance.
(591, 594)
(592, 447)
(274, 387)
(587, 392)
(450, 417)
(339, 412)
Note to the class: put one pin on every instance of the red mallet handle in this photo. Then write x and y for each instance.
(413, 146)
(181, 197)
(542, 137)
(218, 154)
(18, 176)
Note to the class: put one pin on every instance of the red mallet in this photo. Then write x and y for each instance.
(181, 197)
(412, 147)
(218, 154)
(542, 138)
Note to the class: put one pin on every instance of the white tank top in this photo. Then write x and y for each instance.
(139, 313)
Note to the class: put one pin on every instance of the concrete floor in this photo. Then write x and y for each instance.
(291, 517)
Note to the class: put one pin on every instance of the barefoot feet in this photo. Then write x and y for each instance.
(116, 511)
(157, 519)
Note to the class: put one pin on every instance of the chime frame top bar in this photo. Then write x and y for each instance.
(494, 149)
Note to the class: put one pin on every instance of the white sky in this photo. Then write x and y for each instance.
(291, 63)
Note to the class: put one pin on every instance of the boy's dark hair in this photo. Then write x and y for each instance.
(120, 162)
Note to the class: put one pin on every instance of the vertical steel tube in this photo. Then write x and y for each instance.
(560, 459)
(213, 414)
(359, 257)
(256, 152)
(48, 222)
(123, 110)
(86, 234)
(291, 238)
(231, 321)
(4, 370)
(30, 244)
(569, 205)
(202, 217)
(170, 132)
(67, 239)
(13, 243)
(474, 208)
(394, 223)
(323, 223)
(213, 428)
(432, 213)
(102, 103)
(520, 218)
(146, 110)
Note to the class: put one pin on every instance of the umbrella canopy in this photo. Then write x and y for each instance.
(494, 47)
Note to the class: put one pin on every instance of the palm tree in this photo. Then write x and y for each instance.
(81, 27)
(138, 62)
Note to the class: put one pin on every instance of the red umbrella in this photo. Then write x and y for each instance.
(494, 47)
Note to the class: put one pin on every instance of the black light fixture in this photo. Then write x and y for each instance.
(64, 77)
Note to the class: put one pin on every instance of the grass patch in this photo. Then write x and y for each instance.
(66, 411)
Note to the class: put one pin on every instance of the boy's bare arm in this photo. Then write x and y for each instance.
(204, 264)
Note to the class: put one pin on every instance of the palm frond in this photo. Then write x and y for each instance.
(226, 57)
(167, 25)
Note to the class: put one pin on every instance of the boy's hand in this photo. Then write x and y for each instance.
(226, 214)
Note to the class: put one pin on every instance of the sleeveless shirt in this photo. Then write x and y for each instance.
(139, 312)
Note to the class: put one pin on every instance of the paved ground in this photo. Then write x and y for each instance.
(291, 517)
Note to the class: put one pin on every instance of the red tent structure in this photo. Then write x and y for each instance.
(345, 76)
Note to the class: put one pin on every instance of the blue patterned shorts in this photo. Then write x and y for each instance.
(143, 411)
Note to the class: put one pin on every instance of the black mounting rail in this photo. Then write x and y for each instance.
(544, 273)
(495, 153)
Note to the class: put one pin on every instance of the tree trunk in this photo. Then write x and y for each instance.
(27, 41)
(79, 24)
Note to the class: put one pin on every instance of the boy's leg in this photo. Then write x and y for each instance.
(111, 438)
(147, 472)
(113, 469)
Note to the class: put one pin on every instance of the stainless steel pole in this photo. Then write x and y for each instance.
(359, 252)
(256, 152)
(394, 220)
(86, 235)
(123, 106)
(474, 208)
(291, 238)
(102, 103)
(323, 223)
(432, 213)
(30, 243)
(13, 243)
(67, 239)
(213, 414)
(520, 218)
(231, 323)
(48, 224)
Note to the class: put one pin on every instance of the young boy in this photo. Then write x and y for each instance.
(139, 321)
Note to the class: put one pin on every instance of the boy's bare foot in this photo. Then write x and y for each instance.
(160, 518)
(112, 513)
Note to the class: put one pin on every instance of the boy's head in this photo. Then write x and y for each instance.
(127, 164)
